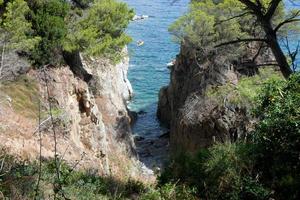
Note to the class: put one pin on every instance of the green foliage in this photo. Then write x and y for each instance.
(48, 20)
(17, 31)
(205, 24)
(269, 161)
(223, 171)
(210, 22)
(229, 173)
(46, 28)
(101, 31)
(169, 191)
(278, 136)
(18, 179)
(247, 89)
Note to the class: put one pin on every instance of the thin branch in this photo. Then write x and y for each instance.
(57, 187)
(2, 58)
(286, 22)
(42, 123)
(241, 40)
(265, 64)
(231, 18)
(40, 152)
(292, 54)
(253, 7)
(289, 20)
(258, 51)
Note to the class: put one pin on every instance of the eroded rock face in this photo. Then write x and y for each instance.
(90, 119)
(195, 120)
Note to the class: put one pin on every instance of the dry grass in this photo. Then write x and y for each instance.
(22, 95)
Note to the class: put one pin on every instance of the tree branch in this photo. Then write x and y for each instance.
(272, 9)
(289, 20)
(258, 51)
(256, 9)
(231, 18)
(241, 40)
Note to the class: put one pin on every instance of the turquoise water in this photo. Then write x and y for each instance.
(148, 71)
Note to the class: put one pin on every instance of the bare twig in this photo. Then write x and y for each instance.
(292, 54)
(258, 51)
(57, 184)
(40, 153)
(42, 123)
(2, 58)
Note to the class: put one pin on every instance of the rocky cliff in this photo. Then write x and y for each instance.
(90, 118)
(196, 118)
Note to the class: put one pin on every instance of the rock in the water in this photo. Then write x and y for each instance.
(138, 138)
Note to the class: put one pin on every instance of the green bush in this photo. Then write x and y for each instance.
(267, 166)
(19, 179)
(170, 191)
(48, 22)
(224, 171)
(277, 136)
(43, 29)
(247, 89)
(101, 30)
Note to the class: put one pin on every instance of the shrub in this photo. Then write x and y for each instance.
(48, 22)
(277, 136)
(224, 171)
(170, 191)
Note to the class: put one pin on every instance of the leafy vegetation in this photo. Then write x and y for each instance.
(101, 31)
(266, 166)
(278, 136)
(43, 29)
(246, 91)
(19, 180)
(227, 27)
(48, 22)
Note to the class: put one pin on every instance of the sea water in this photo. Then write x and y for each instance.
(148, 70)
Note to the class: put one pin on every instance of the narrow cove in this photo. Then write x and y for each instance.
(148, 72)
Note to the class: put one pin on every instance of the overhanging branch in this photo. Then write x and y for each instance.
(231, 18)
(240, 41)
(289, 20)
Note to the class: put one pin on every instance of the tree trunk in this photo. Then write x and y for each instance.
(280, 57)
(273, 43)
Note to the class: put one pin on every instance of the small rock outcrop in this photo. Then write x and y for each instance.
(195, 119)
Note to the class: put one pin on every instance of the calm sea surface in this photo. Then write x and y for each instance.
(148, 71)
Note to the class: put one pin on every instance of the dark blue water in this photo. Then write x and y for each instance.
(148, 71)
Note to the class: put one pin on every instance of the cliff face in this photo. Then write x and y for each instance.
(196, 120)
(91, 119)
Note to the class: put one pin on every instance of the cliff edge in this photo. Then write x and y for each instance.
(90, 118)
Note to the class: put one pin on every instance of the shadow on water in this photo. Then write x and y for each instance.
(151, 138)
